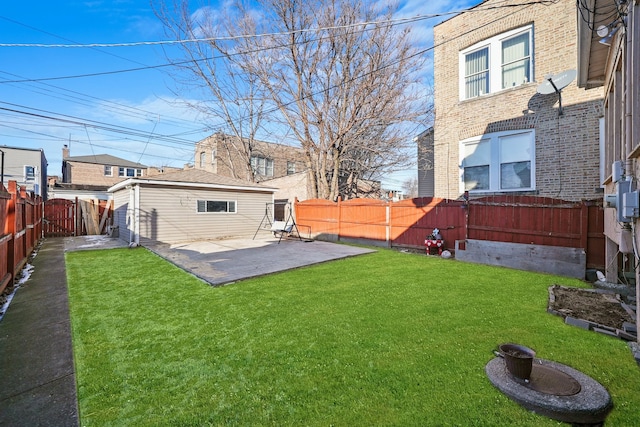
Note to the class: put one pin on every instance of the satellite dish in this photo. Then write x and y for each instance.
(555, 83)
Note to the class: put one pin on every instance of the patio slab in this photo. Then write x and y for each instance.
(225, 261)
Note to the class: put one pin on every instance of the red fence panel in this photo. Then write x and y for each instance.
(501, 218)
(526, 219)
(414, 219)
(364, 219)
(20, 223)
(6, 240)
(318, 217)
(59, 218)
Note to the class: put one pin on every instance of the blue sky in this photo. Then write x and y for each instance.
(138, 102)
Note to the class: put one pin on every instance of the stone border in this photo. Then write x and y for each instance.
(628, 333)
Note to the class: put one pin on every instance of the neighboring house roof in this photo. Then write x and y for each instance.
(191, 177)
(105, 159)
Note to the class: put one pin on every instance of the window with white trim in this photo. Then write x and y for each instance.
(29, 173)
(262, 166)
(108, 170)
(203, 161)
(499, 63)
(291, 168)
(129, 172)
(217, 206)
(501, 161)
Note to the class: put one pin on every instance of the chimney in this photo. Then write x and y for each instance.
(65, 152)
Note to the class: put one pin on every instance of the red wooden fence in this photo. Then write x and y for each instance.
(64, 217)
(59, 218)
(21, 221)
(515, 219)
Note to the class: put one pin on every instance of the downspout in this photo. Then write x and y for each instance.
(2, 169)
(136, 190)
(632, 20)
(134, 215)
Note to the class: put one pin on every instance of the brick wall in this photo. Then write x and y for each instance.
(92, 174)
(567, 146)
(231, 162)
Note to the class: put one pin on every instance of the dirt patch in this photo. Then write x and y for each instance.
(603, 308)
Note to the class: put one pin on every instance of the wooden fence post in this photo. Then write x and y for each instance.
(339, 216)
(388, 220)
(584, 218)
(10, 228)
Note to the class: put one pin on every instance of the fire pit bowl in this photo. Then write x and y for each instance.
(519, 359)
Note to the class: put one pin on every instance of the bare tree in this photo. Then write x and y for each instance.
(233, 99)
(410, 187)
(338, 75)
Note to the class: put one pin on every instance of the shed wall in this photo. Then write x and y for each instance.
(120, 206)
(169, 214)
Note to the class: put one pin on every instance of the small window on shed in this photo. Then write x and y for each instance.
(225, 206)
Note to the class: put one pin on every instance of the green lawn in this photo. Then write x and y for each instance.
(387, 338)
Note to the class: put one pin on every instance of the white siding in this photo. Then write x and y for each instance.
(120, 206)
(15, 160)
(169, 214)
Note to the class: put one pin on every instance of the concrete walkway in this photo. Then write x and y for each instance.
(38, 386)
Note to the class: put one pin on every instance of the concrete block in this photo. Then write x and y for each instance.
(584, 324)
(630, 327)
(606, 332)
(625, 336)
(569, 262)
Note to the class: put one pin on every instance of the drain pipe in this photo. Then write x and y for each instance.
(133, 215)
(630, 21)
(2, 169)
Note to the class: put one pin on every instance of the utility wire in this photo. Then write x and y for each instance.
(227, 38)
(99, 125)
(159, 66)
(395, 21)
(94, 124)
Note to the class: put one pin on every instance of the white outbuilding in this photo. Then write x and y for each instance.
(188, 205)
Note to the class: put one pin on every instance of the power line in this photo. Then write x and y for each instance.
(168, 138)
(225, 38)
(160, 66)
(94, 124)
(108, 105)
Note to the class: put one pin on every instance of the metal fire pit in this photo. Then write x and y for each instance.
(554, 390)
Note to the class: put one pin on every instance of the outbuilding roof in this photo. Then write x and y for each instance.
(194, 178)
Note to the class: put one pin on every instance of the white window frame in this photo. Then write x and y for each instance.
(495, 162)
(494, 45)
(291, 168)
(262, 166)
(203, 159)
(129, 172)
(30, 177)
(231, 206)
(108, 170)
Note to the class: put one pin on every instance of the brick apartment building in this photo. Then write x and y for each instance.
(493, 131)
(224, 155)
(100, 169)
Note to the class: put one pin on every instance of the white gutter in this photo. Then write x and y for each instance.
(136, 181)
(584, 41)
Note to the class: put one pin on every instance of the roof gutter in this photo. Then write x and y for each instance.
(585, 36)
(134, 181)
